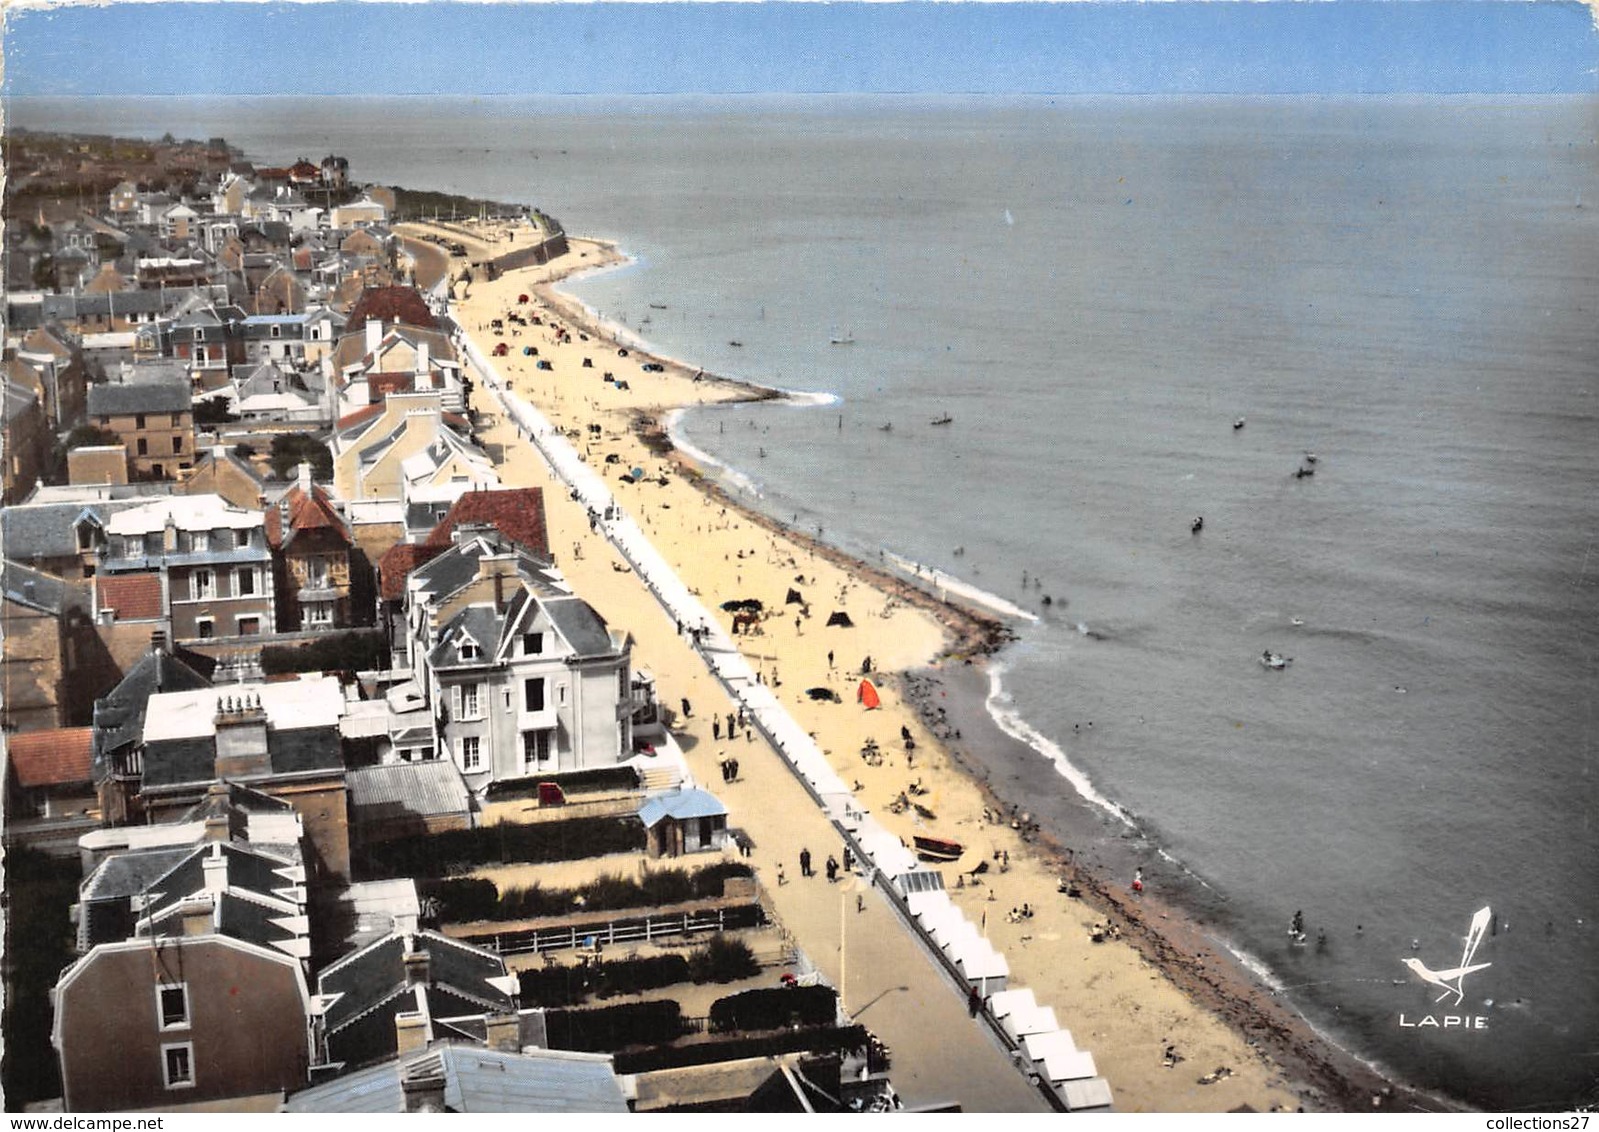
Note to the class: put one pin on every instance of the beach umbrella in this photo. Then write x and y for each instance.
(867, 694)
(637, 473)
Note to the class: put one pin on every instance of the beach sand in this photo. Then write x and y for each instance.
(1155, 987)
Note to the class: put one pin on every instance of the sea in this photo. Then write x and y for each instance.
(1358, 336)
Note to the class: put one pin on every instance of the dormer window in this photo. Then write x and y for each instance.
(199, 334)
(532, 644)
(469, 649)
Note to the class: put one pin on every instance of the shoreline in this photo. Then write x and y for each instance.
(1170, 937)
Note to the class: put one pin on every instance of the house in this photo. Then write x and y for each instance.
(209, 341)
(97, 464)
(517, 513)
(401, 992)
(24, 441)
(124, 199)
(360, 214)
(371, 448)
(49, 661)
(324, 581)
(220, 470)
(178, 222)
(274, 337)
(61, 530)
(191, 988)
(279, 738)
(470, 1078)
(526, 680)
(52, 773)
(155, 422)
(63, 379)
(368, 365)
(280, 292)
(212, 559)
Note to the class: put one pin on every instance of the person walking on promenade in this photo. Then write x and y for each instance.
(716, 728)
(832, 869)
(805, 863)
(974, 1001)
(688, 712)
(729, 725)
(781, 879)
(732, 770)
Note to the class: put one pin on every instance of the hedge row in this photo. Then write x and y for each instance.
(723, 960)
(358, 650)
(611, 1028)
(440, 854)
(774, 1008)
(576, 782)
(469, 899)
(817, 1040)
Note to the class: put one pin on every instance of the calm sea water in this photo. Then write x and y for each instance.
(1095, 290)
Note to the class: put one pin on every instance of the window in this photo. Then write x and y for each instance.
(246, 583)
(199, 334)
(471, 752)
(173, 1002)
(535, 748)
(316, 573)
(138, 420)
(144, 446)
(319, 613)
(177, 444)
(532, 644)
(533, 695)
(469, 649)
(202, 586)
(200, 541)
(177, 1065)
(205, 628)
(241, 539)
(471, 701)
(177, 420)
(249, 626)
(560, 695)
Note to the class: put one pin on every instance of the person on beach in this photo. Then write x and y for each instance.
(716, 728)
(805, 863)
(832, 869)
(781, 879)
(688, 712)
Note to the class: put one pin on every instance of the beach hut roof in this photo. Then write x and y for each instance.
(680, 805)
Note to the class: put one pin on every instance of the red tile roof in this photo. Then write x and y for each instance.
(306, 512)
(517, 513)
(397, 563)
(359, 417)
(57, 757)
(135, 597)
(390, 305)
(382, 384)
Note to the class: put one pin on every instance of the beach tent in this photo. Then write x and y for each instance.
(867, 695)
(794, 597)
(824, 694)
(743, 604)
(840, 618)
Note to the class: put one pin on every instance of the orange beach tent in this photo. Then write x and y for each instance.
(867, 695)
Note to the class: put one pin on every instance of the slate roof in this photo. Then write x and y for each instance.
(477, 1080)
(119, 715)
(517, 513)
(583, 628)
(105, 897)
(44, 530)
(60, 756)
(122, 400)
(366, 978)
(424, 789)
(479, 622)
(38, 590)
(134, 597)
(181, 761)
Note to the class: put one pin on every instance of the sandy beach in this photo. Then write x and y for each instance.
(1174, 1024)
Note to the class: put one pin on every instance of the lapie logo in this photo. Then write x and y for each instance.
(1452, 980)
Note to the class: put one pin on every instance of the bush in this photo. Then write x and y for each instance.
(356, 650)
(775, 1008)
(290, 449)
(40, 890)
(461, 899)
(577, 782)
(723, 960)
(615, 1027)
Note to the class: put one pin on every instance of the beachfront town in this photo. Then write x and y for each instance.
(374, 740)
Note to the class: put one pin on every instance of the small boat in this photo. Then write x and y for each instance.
(945, 419)
(1238, 424)
(1197, 525)
(1303, 472)
(657, 306)
(732, 342)
(889, 427)
(1274, 661)
(845, 339)
(938, 849)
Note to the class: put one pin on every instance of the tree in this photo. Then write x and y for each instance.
(289, 450)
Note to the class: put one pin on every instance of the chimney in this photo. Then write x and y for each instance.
(410, 1032)
(424, 379)
(197, 916)
(416, 968)
(305, 477)
(374, 334)
(423, 1086)
(215, 866)
(504, 1032)
(158, 641)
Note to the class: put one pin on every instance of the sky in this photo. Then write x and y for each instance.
(784, 46)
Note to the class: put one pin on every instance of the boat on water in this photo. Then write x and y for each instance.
(1275, 661)
(657, 306)
(938, 849)
(845, 339)
(734, 342)
(945, 419)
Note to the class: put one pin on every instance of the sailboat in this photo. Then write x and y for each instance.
(845, 339)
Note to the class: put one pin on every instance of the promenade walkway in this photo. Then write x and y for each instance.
(854, 931)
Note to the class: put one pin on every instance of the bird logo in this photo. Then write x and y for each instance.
(1453, 979)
